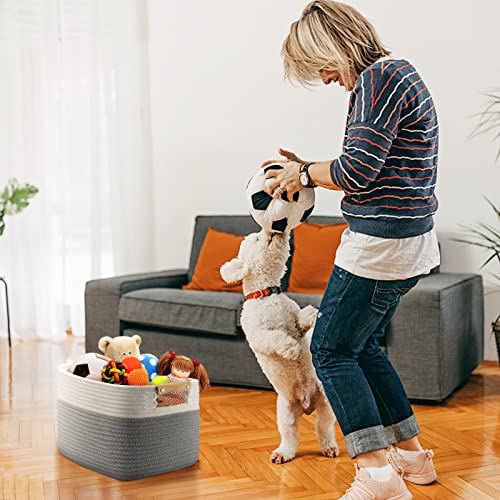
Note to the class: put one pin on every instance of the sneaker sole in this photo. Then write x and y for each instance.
(405, 496)
(428, 478)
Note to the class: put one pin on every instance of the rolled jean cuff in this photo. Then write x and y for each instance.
(366, 440)
(406, 429)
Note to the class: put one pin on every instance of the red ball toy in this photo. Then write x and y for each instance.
(131, 363)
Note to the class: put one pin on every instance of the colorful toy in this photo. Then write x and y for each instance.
(160, 379)
(132, 363)
(88, 365)
(150, 363)
(179, 368)
(138, 376)
(120, 347)
(114, 373)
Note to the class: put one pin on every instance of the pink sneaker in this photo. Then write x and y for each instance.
(366, 488)
(419, 471)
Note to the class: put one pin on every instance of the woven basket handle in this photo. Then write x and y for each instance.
(173, 387)
(172, 394)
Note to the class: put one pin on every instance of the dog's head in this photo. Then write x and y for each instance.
(262, 255)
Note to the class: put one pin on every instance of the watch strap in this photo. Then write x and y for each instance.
(305, 168)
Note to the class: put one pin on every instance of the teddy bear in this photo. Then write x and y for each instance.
(120, 347)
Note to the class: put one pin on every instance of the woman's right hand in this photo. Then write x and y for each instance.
(287, 154)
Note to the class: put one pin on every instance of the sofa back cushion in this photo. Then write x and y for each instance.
(315, 246)
(218, 248)
(241, 225)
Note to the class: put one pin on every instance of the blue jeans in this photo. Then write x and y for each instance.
(363, 388)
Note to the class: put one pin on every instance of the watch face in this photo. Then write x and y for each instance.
(304, 179)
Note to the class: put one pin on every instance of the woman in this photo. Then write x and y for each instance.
(387, 171)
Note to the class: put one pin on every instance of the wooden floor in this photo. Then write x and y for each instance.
(238, 432)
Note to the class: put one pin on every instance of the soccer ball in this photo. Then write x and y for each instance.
(88, 365)
(277, 214)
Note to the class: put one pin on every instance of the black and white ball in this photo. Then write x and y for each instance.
(88, 365)
(277, 214)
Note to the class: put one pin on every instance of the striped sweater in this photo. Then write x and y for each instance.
(388, 164)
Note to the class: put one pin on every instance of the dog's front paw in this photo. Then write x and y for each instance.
(279, 456)
(307, 317)
(331, 451)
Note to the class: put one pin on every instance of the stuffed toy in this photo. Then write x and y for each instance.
(178, 369)
(118, 348)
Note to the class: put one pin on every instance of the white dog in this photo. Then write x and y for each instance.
(279, 333)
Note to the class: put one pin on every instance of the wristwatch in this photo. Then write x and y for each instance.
(304, 178)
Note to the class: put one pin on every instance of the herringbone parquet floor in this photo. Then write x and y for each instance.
(237, 435)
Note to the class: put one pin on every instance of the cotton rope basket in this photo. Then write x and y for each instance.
(124, 431)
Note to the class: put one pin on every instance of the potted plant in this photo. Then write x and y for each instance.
(485, 235)
(14, 198)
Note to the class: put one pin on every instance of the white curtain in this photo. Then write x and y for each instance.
(74, 121)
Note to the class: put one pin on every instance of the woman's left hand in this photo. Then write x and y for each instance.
(284, 180)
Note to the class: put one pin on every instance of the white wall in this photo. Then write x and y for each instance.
(220, 107)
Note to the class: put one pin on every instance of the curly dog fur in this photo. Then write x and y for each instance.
(279, 333)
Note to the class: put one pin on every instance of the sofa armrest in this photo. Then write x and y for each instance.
(102, 298)
(436, 337)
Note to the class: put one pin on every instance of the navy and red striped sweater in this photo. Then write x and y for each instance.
(388, 164)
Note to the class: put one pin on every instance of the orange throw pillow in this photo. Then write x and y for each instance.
(315, 246)
(217, 249)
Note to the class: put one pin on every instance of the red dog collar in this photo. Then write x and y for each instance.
(263, 293)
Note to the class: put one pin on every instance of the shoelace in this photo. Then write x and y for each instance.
(395, 466)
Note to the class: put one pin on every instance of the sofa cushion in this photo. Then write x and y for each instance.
(315, 246)
(202, 311)
(217, 249)
(241, 225)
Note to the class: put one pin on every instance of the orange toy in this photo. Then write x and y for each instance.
(132, 363)
(139, 376)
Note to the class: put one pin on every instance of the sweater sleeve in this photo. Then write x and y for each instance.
(371, 128)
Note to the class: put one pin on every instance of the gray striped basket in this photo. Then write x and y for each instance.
(122, 431)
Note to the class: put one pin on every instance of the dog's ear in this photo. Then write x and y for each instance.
(233, 271)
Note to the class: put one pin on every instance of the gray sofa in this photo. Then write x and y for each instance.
(435, 339)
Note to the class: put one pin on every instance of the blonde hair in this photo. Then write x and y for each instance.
(332, 36)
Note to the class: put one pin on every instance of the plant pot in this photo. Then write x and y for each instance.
(496, 330)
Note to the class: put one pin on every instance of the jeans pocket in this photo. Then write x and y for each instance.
(385, 297)
(388, 293)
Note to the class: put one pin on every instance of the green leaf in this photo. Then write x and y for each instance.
(14, 198)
